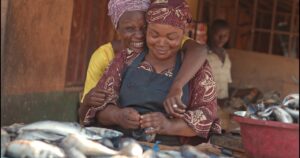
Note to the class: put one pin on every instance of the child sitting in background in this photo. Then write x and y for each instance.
(218, 37)
(218, 58)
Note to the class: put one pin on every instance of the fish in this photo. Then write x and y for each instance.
(168, 154)
(5, 139)
(86, 146)
(13, 128)
(188, 151)
(61, 128)
(104, 132)
(107, 142)
(73, 153)
(293, 113)
(149, 154)
(39, 135)
(33, 149)
(130, 147)
(282, 116)
(291, 100)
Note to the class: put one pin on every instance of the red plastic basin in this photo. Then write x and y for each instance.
(269, 139)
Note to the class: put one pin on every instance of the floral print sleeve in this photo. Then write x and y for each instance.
(111, 81)
(201, 114)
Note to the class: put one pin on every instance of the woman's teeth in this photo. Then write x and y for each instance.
(137, 44)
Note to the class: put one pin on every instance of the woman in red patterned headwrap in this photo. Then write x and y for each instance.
(141, 81)
(128, 18)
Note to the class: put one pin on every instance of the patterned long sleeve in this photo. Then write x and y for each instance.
(201, 114)
(111, 81)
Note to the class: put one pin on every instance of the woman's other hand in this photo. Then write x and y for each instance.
(95, 97)
(128, 118)
(173, 103)
(157, 120)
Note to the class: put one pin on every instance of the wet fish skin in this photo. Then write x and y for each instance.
(291, 100)
(87, 147)
(130, 147)
(293, 113)
(33, 149)
(107, 142)
(104, 132)
(188, 151)
(73, 153)
(169, 154)
(282, 115)
(13, 128)
(5, 139)
(62, 128)
(39, 135)
(149, 154)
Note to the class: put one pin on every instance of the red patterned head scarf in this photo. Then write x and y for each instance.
(171, 12)
(116, 8)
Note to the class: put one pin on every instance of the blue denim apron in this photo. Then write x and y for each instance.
(145, 91)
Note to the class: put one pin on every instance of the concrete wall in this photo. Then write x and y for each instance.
(265, 72)
(38, 33)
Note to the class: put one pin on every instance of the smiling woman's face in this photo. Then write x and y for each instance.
(163, 40)
(131, 28)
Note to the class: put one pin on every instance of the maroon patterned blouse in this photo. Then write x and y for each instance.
(201, 113)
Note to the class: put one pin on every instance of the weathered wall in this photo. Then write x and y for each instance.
(36, 49)
(265, 72)
(35, 52)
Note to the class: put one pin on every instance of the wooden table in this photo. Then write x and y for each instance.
(205, 148)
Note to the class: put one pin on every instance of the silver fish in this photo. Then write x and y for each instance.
(73, 153)
(33, 149)
(5, 139)
(282, 115)
(291, 100)
(149, 154)
(104, 132)
(266, 113)
(293, 113)
(188, 151)
(130, 147)
(168, 154)
(13, 128)
(87, 147)
(39, 135)
(62, 128)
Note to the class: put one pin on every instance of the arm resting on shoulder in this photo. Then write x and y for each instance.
(110, 81)
(194, 57)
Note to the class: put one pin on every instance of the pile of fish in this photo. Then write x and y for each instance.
(286, 111)
(51, 139)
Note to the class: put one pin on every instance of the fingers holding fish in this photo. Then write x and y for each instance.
(128, 118)
(156, 123)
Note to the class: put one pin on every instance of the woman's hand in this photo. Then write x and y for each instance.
(173, 103)
(95, 97)
(128, 118)
(158, 121)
